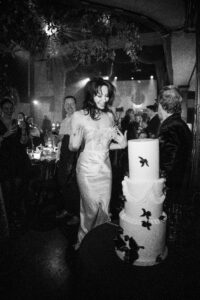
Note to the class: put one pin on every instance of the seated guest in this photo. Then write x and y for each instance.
(14, 161)
(154, 122)
(175, 149)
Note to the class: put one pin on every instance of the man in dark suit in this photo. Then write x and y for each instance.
(153, 124)
(175, 155)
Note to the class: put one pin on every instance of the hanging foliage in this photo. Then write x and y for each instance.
(20, 27)
(84, 33)
(104, 29)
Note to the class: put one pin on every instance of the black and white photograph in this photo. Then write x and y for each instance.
(99, 150)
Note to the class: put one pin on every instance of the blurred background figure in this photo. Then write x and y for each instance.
(46, 124)
(21, 117)
(36, 136)
(14, 161)
(153, 123)
(129, 123)
(69, 205)
(143, 134)
(138, 120)
(118, 116)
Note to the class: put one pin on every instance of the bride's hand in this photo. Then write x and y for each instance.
(120, 138)
(76, 138)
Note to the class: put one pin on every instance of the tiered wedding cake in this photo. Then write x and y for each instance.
(141, 240)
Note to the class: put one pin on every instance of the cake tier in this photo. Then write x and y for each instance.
(143, 156)
(144, 240)
(143, 197)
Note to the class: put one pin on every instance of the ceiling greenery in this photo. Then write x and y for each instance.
(85, 35)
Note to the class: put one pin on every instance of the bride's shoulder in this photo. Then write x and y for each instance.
(78, 117)
(111, 117)
(110, 114)
(78, 114)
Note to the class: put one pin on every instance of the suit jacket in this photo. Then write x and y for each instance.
(175, 152)
(153, 126)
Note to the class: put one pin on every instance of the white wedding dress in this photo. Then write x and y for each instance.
(94, 178)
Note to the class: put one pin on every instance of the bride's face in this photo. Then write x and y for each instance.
(102, 97)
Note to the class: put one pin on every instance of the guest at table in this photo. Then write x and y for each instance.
(93, 131)
(175, 149)
(14, 161)
(153, 123)
(66, 168)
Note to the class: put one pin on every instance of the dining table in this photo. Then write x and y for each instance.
(45, 158)
(43, 184)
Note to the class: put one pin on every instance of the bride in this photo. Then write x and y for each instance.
(93, 130)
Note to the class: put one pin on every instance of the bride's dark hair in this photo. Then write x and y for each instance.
(92, 89)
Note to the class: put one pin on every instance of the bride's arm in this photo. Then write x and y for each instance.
(76, 135)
